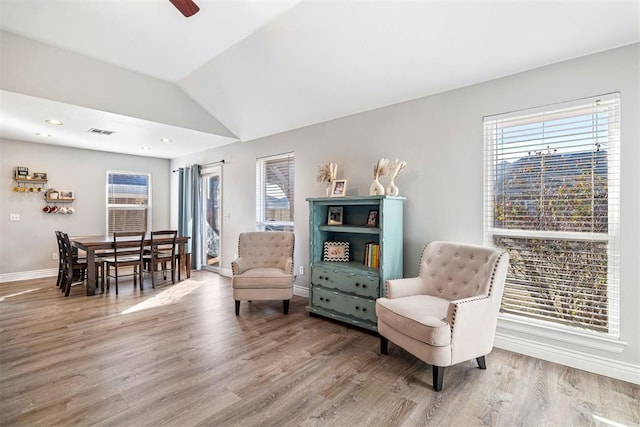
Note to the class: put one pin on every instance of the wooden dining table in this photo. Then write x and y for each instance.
(91, 244)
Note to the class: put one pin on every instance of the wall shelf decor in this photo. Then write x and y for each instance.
(347, 290)
(25, 183)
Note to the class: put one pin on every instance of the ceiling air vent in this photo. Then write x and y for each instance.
(100, 131)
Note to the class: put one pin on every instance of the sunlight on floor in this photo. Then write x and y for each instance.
(18, 293)
(608, 422)
(170, 296)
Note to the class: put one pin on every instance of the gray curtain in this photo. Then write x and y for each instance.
(190, 212)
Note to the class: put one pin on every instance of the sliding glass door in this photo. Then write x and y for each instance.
(212, 216)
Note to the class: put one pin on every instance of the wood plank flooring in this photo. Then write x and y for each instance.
(178, 356)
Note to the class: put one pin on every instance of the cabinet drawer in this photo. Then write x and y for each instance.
(346, 280)
(351, 305)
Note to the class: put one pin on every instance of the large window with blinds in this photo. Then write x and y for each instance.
(128, 201)
(552, 184)
(275, 177)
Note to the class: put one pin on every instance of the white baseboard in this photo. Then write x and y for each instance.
(568, 357)
(301, 291)
(26, 275)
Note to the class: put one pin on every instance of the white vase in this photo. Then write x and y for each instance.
(392, 190)
(328, 190)
(376, 188)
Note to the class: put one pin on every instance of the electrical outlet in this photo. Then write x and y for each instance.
(54, 255)
(301, 270)
(14, 217)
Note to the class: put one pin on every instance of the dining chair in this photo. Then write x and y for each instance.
(162, 253)
(72, 269)
(61, 266)
(127, 252)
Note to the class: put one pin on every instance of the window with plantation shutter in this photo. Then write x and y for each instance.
(275, 177)
(128, 201)
(552, 184)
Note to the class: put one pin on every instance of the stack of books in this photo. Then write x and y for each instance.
(372, 255)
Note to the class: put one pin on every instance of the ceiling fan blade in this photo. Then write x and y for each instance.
(186, 7)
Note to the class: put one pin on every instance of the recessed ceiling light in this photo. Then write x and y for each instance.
(145, 147)
(165, 140)
(54, 122)
(44, 135)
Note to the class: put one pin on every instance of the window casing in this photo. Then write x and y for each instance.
(128, 201)
(275, 178)
(552, 184)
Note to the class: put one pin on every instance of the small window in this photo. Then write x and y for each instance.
(552, 184)
(275, 178)
(128, 201)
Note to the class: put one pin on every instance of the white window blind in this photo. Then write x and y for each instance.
(552, 185)
(275, 177)
(128, 201)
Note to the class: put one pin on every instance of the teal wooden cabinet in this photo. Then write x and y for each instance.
(347, 291)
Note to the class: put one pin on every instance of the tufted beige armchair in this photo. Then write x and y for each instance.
(448, 314)
(264, 268)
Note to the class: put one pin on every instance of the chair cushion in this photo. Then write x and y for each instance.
(258, 278)
(422, 317)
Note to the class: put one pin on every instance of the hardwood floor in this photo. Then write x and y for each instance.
(177, 355)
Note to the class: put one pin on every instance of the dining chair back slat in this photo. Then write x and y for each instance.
(162, 254)
(128, 248)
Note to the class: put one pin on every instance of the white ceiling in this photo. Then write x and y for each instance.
(263, 67)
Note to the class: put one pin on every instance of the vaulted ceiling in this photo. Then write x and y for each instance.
(241, 70)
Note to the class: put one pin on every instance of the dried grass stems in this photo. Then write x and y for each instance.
(381, 168)
(395, 168)
(327, 173)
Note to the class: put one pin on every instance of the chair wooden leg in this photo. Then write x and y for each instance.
(482, 364)
(384, 345)
(285, 304)
(187, 264)
(237, 307)
(438, 374)
(67, 287)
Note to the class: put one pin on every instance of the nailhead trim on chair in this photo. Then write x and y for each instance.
(493, 275)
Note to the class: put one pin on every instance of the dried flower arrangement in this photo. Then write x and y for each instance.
(381, 168)
(327, 173)
(395, 168)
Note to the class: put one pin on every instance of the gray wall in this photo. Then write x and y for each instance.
(441, 137)
(28, 244)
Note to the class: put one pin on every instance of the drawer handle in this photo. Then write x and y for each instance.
(357, 308)
(357, 284)
(321, 299)
(364, 309)
(364, 286)
(321, 277)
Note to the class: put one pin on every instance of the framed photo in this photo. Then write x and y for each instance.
(65, 194)
(338, 188)
(336, 251)
(372, 218)
(39, 175)
(335, 215)
(22, 172)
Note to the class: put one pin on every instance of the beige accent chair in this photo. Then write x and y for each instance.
(448, 314)
(264, 268)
